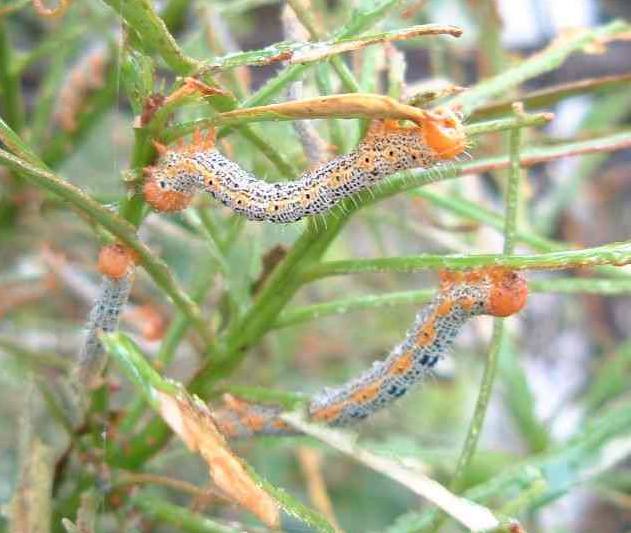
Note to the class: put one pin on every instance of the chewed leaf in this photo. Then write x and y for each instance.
(191, 420)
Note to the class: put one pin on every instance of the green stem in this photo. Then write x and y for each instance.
(473, 211)
(299, 315)
(181, 518)
(544, 61)
(617, 254)
(497, 340)
(12, 103)
(141, 17)
(470, 210)
(174, 335)
(513, 191)
(551, 95)
(126, 232)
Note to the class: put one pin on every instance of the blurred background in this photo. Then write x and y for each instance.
(567, 362)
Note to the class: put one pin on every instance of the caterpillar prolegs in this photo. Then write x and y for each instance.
(491, 291)
(387, 148)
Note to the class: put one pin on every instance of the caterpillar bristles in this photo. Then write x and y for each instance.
(387, 148)
(462, 295)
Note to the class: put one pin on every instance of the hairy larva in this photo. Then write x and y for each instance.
(491, 291)
(117, 264)
(104, 317)
(387, 148)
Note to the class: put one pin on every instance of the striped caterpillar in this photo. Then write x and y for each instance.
(492, 291)
(387, 148)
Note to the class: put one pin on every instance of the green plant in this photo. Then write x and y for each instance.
(216, 248)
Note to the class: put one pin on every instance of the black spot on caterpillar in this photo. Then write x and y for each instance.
(387, 148)
(491, 291)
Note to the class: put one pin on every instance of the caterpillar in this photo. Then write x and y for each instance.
(388, 147)
(492, 291)
(117, 264)
(103, 318)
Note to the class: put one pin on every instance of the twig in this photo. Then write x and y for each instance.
(133, 478)
(551, 95)
(568, 285)
(84, 203)
(302, 53)
(471, 515)
(617, 254)
(544, 61)
(311, 465)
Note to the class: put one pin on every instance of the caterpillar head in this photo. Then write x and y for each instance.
(444, 133)
(499, 291)
(170, 184)
(161, 188)
(508, 292)
(116, 260)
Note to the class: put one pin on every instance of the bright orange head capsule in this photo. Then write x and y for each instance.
(116, 260)
(444, 133)
(508, 292)
(161, 198)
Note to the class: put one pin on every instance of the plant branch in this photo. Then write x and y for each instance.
(155, 267)
(490, 368)
(544, 61)
(617, 254)
(551, 95)
(567, 285)
(141, 17)
(302, 53)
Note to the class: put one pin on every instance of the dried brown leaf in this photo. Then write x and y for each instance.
(190, 418)
(342, 105)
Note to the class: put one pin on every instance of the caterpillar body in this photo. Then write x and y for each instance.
(104, 318)
(387, 148)
(492, 291)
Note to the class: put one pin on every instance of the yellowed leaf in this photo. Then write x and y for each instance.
(340, 105)
(190, 418)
